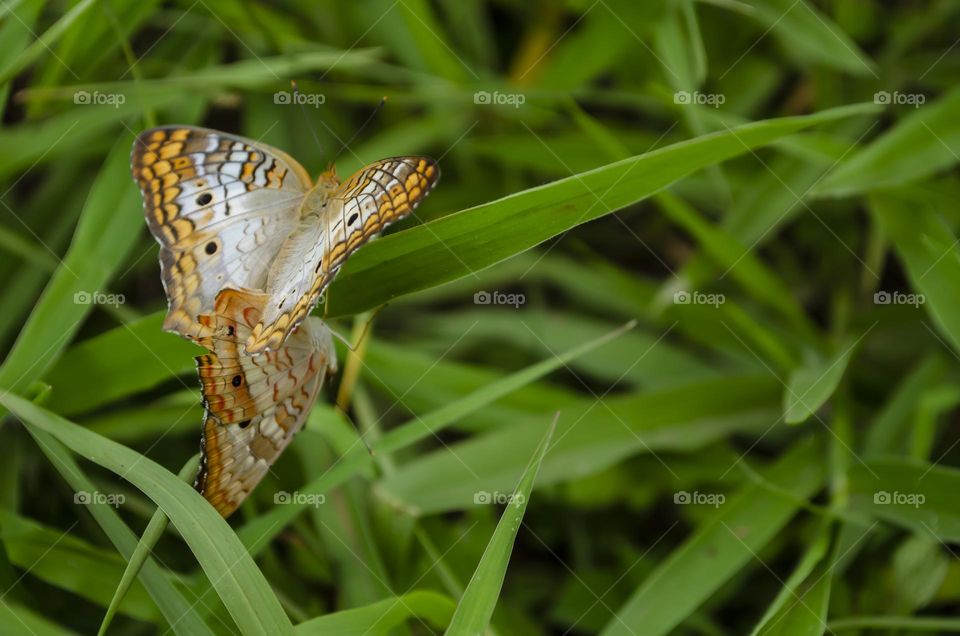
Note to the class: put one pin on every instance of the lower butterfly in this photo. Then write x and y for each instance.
(254, 403)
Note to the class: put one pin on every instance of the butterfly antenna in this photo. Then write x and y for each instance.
(303, 110)
(363, 334)
(346, 341)
(383, 100)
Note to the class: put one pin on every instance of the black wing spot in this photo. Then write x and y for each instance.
(353, 217)
(204, 199)
(230, 331)
(237, 380)
(211, 248)
(244, 424)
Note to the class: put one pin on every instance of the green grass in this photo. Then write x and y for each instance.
(739, 270)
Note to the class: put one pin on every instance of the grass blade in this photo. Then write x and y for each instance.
(460, 244)
(480, 598)
(229, 567)
(810, 386)
(432, 423)
(152, 534)
(383, 617)
(705, 561)
(102, 241)
(928, 250)
(173, 605)
(925, 142)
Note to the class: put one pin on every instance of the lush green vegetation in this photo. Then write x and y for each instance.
(671, 349)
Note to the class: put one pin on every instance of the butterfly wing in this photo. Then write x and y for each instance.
(254, 403)
(220, 206)
(359, 209)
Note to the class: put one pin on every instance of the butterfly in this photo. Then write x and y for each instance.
(231, 212)
(253, 403)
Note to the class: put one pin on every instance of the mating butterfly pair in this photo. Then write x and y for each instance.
(248, 243)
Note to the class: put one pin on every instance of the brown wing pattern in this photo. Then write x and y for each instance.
(220, 206)
(254, 403)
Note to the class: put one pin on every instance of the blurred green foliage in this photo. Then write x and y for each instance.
(767, 187)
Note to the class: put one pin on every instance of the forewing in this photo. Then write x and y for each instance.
(358, 210)
(254, 403)
(220, 206)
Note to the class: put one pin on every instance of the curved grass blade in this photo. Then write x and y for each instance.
(806, 611)
(480, 598)
(382, 617)
(787, 598)
(228, 566)
(923, 143)
(61, 559)
(257, 533)
(917, 495)
(811, 35)
(473, 239)
(422, 427)
(928, 250)
(676, 419)
(740, 529)
(42, 44)
(14, 35)
(911, 624)
(811, 385)
(153, 532)
(101, 243)
(14, 619)
(173, 605)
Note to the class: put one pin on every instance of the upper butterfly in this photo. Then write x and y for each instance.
(230, 212)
